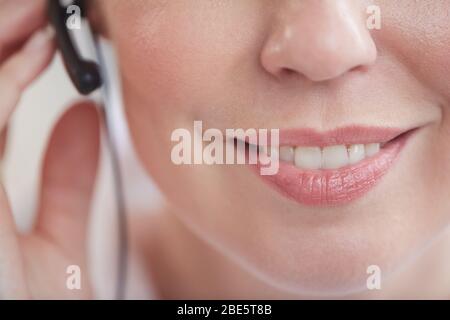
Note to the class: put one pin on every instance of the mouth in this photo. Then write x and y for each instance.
(336, 167)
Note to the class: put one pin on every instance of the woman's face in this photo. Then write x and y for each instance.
(295, 64)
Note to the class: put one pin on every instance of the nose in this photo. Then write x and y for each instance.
(319, 39)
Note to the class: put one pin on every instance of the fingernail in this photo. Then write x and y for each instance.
(39, 40)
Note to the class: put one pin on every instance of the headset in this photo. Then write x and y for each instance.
(87, 77)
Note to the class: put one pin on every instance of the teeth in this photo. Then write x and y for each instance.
(308, 157)
(356, 153)
(331, 157)
(334, 157)
(372, 149)
(287, 154)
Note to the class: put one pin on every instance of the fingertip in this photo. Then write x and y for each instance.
(81, 118)
(23, 67)
(72, 156)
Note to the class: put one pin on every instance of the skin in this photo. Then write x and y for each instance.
(177, 59)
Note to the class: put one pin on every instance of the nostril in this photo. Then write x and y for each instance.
(360, 68)
(284, 73)
(289, 73)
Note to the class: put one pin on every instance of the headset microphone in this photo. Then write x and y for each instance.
(84, 74)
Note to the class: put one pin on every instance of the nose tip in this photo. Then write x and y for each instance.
(320, 45)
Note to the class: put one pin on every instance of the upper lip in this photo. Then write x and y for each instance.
(339, 136)
(348, 135)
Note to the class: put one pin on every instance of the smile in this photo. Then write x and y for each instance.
(333, 157)
(336, 167)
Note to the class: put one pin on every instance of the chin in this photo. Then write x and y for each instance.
(333, 258)
(326, 268)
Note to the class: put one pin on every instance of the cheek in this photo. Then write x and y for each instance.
(175, 66)
(183, 55)
(419, 35)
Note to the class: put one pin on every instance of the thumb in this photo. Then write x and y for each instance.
(68, 179)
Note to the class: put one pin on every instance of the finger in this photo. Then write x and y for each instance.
(68, 178)
(18, 20)
(21, 69)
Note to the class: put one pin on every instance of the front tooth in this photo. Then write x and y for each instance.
(334, 157)
(308, 157)
(356, 153)
(287, 154)
(372, 149)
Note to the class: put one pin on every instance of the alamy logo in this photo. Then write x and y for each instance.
(73, 281)
(374, 280)
(234, 146)
(74, 20)
(373, 21)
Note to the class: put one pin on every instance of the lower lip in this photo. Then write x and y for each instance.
(336, 187)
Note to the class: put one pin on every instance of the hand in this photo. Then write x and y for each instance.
(34, 265)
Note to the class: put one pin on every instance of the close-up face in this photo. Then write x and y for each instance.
(316, 71)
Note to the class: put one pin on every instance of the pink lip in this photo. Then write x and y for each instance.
(346, 135)
(340, 186)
